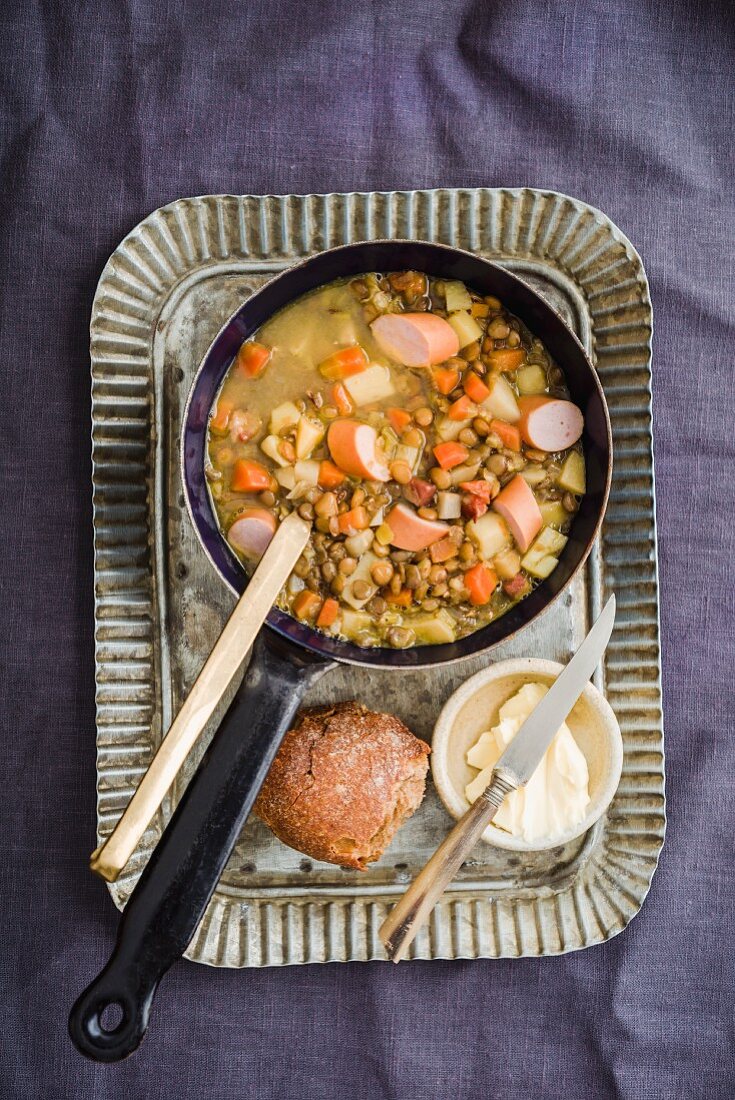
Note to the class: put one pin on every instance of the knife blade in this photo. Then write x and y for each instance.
(514, 768)
(525, 752)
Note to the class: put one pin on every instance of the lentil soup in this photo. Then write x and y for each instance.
(426, 434)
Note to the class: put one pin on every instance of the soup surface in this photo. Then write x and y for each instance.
(428, 436)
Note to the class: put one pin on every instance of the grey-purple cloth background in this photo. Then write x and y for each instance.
(112, 109)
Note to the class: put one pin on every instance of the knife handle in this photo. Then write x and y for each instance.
(412, 911)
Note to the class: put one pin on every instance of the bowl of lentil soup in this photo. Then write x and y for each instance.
(436, 421)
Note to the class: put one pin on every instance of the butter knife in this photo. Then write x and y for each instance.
(514, 769)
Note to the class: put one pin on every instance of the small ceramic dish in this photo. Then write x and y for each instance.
(474, 707)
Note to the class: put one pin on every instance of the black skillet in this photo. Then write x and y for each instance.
(172, 893)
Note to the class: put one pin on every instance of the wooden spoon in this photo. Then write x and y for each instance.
(217, 673)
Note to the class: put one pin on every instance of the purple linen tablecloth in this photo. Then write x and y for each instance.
(110, 110)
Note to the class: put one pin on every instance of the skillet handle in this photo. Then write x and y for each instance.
(172, 893)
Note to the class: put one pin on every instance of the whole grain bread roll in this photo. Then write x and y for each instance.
(343, 782)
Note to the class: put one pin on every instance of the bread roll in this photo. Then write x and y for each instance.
(343, 782)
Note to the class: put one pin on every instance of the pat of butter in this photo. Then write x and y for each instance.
(557, 795)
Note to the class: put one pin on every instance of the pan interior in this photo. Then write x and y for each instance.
(481, 275)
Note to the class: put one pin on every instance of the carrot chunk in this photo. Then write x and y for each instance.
(330, 476)
(399, 419)
(480, 582)
(445, 379)
(505, 359)
(306, 604)
(462, 409)
(250, 477)
(450, 454)
(221, 418)
(475, 388)
(403, 599)
(509, 434)
(343, 363)
(356, 519)
(252, 358)
(328, 614)
(341, 399)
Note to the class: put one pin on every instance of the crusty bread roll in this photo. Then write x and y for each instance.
(343, 782)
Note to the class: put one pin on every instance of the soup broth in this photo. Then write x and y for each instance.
(427, 435)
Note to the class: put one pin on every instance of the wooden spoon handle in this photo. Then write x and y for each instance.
(412, 911)
(217, 673)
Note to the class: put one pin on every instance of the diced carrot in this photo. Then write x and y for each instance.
(443, 550)
(356, 519)
(221, 418)
(482, 489)
(480, 582)
(330, 476)
(450, 454)
(341, 399)
(306, 604)
(445, 379)
(403, 599)
(343, 363)
(252, 358)
(479, 309)
(475, 388)
(328, 614)
(504, 359)
(250, 477)
(509, 434)
(462, 409)
(399, 419)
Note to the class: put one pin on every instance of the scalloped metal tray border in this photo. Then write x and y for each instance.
(587, 266)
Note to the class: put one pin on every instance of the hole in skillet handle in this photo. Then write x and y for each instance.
(110, 1018)
(172, 893)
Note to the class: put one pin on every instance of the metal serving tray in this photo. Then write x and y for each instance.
(159, 606)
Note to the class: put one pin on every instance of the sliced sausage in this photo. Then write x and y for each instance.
(353, 446)
(251, 532)
(410, 531)
(549, 423)
(517, 505)
(415, 339)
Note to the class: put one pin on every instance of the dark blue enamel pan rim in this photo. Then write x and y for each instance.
(482, 276)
